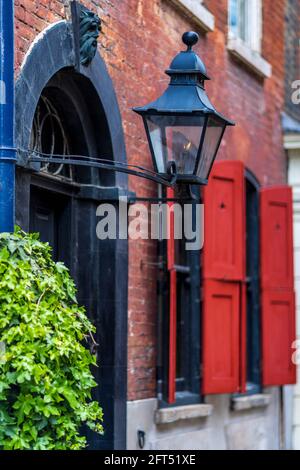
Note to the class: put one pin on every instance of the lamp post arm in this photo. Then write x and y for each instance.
(171, 181)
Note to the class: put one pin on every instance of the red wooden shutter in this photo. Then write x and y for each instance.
(172, 303)
(277, 286)
(221, 337)
(277, 269)
(278, 326)
(172, 337)
(224, 254)
(225, 250)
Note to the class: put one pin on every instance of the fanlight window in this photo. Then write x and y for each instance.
(49, 137)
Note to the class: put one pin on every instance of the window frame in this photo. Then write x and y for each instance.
(253, 336)
(253, 24)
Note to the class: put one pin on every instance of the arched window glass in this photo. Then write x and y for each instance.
(69, 120)
(50, 137)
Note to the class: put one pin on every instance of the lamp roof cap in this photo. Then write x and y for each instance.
(188, 61)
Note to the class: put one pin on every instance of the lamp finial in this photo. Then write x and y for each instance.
(190, 38)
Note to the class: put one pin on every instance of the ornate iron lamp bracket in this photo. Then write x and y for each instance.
(33, 156)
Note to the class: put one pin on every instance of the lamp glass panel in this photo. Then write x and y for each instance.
(175, 138)
(157, 140)
(210, 146)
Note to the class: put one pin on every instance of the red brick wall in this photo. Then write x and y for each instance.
(140, 37)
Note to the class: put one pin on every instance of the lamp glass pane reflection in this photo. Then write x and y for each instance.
(212, 139)
(175, 138)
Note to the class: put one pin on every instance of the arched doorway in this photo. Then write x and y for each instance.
(64, 111)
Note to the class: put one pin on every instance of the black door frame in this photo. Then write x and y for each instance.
(53, 52)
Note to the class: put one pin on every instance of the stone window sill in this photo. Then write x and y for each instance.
(249, 402)
(251, 59)
(291, 141)
(197, 12)
(179, 413)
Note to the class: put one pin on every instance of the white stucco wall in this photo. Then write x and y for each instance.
(254, 429)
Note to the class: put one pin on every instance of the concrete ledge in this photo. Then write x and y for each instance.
(249, 402)
(171, 415)
(197, 12)
(250, 58)
(291, 141)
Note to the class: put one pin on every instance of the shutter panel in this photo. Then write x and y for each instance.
(224, 241)
(277, 286)
(278, 326)
(221, 337)
(172, 337)
(277, 238)
(224, 294)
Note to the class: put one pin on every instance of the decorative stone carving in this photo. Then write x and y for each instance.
(89, 30)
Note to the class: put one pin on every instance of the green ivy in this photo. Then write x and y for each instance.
(45, 376)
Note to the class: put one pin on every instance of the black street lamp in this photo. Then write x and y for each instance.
(183, 128)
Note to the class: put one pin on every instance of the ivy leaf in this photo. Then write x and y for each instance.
(4, 254)
(10, 431)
